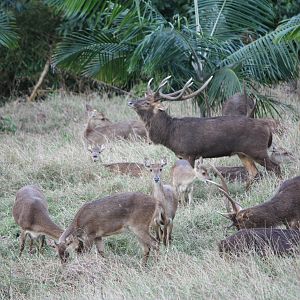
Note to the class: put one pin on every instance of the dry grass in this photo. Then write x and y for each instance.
(47, 150)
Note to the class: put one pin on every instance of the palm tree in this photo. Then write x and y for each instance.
(229, 39)
(8, 37)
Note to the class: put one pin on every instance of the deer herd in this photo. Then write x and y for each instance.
(192, 140)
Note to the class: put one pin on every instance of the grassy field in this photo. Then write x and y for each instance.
(47, 150)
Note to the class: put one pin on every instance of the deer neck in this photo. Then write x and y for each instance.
(52, 230)
(159, 126)
(158, 192)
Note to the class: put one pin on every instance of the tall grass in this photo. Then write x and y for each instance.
(47, 150)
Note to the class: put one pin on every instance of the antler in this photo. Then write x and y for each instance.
(178, 95)
(224, 189)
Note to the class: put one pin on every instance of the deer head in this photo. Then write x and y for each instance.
(155, 168)
(96, 150)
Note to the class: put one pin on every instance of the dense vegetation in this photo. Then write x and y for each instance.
(122, 42)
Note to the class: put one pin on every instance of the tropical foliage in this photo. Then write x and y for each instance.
(233, 42)
(8, 37)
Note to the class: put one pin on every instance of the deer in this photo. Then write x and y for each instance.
(263, 241)
(191, 137)
(30, 212)
(113, 215)
(239, 105)
(125, 168)
(165, 194)
(183, 176)
(100, 130)
(282, 208)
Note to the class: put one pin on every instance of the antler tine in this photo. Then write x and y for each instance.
(177, 94)
(198, 91)
(224, 186)
(163, 83)
(149, 91)
(236, 207)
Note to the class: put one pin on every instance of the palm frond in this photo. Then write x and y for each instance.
(8, 37)
(288, 31)
(228, 19)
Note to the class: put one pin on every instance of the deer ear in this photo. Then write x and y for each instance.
(246, 215)
(163, 161)
(88, 108)
(147, 163)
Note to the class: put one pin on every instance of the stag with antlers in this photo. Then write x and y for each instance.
(191, 137)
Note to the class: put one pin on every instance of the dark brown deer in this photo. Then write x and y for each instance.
(263, 241)
(112, 215)
(190, 137)
(282, 208)
(30, 212)
(239, 105)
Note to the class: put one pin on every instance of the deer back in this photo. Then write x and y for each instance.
(30, 212)
(263, 241)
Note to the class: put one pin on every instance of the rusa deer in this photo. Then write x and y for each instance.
(183, 177)
(263, 241)
(127, 168)
(282, 208)
(30, 212)
(100, 130)
(112, 215)
(239, 105)
(191, 137)
(165, 194)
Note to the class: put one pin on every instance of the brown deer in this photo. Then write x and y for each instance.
(183, 176)
(165, 194)
(191, 137)
(263, 241)
(30, 212)
(112, 215)
(282, 208)
(239, 105)
(99, 129)
(127, 168)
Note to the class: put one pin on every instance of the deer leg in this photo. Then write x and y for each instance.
(266, 162)
(88, 244)
(22, 241)
(190, 195)
(169, 233)
(147, 242)
(191, 160)
(100, 245)
(31, 251)
(42, 244)
(250, 167)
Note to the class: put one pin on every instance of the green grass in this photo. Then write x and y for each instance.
(46, 149)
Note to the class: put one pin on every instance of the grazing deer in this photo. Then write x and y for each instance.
(99, 129)
(239, 105)
(166, 196)
(112, 215)
(282, 208)
(263, 241)
(190, 137)
(183, 176)
(30, 212)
